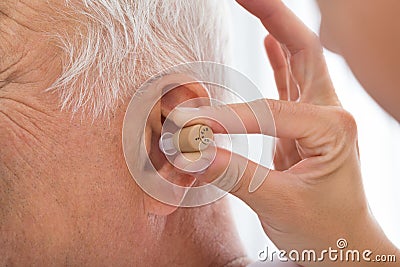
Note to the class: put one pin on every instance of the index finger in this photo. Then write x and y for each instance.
(284, 119)
(282, 23)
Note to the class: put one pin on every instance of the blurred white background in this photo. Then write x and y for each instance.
(378, 133)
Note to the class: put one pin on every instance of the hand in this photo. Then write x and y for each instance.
(315, 196)
(301, 75)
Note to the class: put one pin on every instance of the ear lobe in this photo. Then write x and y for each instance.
(188, 95)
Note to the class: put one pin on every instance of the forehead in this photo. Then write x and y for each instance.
(32, 14)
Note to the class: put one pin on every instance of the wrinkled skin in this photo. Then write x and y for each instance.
(66, 196)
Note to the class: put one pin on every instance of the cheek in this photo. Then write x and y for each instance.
(343, 22)
(333, 23)
(328, 38)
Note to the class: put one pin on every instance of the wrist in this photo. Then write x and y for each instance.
(374, 246)
(364, 244)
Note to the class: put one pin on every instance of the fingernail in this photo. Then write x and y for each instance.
(198, 167)
(192, 163)
(181, 115)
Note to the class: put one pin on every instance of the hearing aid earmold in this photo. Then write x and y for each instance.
(190, 139)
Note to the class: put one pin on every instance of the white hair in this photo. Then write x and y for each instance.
(118, 44)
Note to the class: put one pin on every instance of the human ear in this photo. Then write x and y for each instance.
(192, 94)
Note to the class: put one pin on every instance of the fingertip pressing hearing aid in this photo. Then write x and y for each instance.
(190, 139)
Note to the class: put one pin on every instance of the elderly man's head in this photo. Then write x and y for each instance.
(67, 72)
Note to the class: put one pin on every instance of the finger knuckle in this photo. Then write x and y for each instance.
(347, 123)
(277, 108)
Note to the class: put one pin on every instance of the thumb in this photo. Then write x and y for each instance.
(231, 172)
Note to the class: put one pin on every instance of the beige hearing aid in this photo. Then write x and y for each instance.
(193, 138)
(187, 140)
